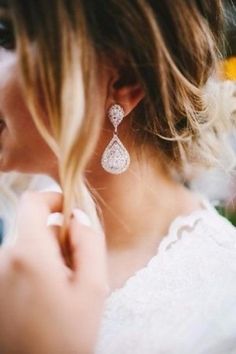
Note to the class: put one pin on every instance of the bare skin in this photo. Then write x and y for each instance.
(50, 301)
(45, 307)
(138, 206)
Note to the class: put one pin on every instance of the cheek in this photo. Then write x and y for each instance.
(21, 146)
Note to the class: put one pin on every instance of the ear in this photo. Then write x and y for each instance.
(124, 90)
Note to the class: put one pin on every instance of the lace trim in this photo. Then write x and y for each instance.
(173, 236)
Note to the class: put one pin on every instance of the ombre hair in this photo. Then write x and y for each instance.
(169, 47)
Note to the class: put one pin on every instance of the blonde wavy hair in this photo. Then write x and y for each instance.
(168, 47)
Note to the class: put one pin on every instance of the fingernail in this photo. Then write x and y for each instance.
(55, 219)
(51, 188)
(82, 217)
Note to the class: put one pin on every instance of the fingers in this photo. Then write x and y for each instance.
(33, 213)
(88, 256)
(36, 242)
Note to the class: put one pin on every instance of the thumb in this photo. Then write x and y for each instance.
(88, 253)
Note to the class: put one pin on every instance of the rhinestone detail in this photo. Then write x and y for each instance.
(116, 114)
(115, 158)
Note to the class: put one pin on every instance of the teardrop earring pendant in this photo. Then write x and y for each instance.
(115, 159)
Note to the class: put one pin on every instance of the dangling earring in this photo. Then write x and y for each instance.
(115, 158)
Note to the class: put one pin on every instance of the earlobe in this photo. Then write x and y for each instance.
(123, 97)
(128, 95)
(131, 95)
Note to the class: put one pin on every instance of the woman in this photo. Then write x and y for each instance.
(110, 94)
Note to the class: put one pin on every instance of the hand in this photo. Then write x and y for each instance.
(45, 307)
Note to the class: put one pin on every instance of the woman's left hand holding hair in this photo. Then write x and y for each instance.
(45, 307)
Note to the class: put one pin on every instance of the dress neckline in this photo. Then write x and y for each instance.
(171, 237)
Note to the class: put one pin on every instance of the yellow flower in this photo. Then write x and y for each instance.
(229, 67)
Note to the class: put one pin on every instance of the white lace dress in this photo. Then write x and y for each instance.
(184, 300)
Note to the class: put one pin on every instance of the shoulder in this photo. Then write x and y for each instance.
(202, 229)
(202, 238)
(218, 229)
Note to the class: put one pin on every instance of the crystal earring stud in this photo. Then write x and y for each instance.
(115, 159)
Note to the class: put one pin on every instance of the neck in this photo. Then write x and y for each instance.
(139, 205)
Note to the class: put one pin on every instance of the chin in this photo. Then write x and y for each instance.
(38, 163)
(15, 165)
